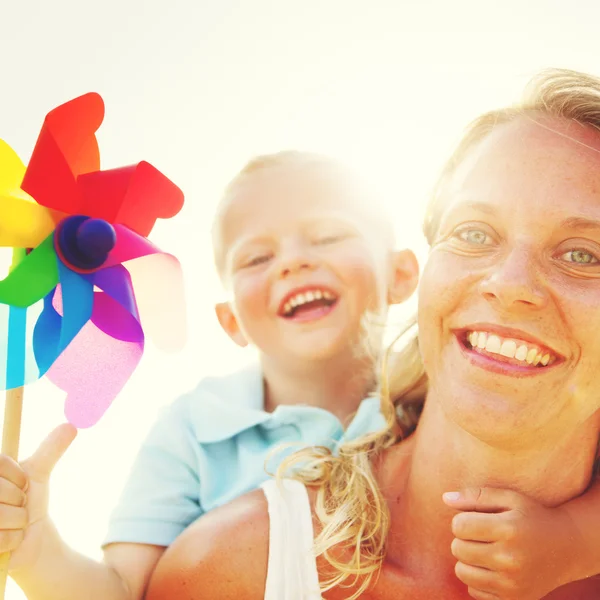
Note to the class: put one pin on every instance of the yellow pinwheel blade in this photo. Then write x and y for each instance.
(23, 222)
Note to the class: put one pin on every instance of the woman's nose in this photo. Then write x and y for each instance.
(516, 283)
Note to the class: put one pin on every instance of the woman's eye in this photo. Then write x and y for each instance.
(579, 257)
(475, 237)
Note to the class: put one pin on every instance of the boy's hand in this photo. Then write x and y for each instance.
(24, 494)
(508, 546)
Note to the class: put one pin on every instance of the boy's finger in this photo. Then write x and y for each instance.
(480, 595)
(476, 554)
(39, 466)
(476, 577)
(12, 471)
(484, 499)
(478, 527)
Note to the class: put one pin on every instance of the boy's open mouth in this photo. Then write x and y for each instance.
(308, 304)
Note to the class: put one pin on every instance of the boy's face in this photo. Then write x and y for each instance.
(305, 261)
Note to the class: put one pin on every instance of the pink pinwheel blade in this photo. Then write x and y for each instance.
(93, 369)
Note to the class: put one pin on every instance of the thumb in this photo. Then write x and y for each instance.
(40, 464)
(483, 499)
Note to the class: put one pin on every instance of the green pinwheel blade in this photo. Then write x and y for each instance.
(31, 278)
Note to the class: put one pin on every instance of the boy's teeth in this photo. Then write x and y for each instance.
(305, 297)
(493, 344)
(508, 348)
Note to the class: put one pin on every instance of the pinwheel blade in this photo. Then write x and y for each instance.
(133, 196)
(66, 310)
(95, 367)
(33, 278)
(66, 148)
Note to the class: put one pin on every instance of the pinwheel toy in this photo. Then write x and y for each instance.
(79, 251)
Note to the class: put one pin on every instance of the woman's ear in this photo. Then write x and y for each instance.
(404, 276)
(229, 324)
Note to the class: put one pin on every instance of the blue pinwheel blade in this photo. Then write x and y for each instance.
(53, 331)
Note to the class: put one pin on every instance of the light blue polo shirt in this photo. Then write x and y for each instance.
(210, 446)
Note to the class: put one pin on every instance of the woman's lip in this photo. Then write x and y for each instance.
(489, 363)
(511, 333)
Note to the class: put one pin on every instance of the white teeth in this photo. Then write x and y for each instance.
(493, 344)
(482, 340)
(305, 297)
(508, 348)
(521, 353)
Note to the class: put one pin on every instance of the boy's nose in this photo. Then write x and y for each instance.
(295, 265)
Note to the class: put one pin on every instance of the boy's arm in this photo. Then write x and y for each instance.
(60, 573)
(159, 501)
(511, 546)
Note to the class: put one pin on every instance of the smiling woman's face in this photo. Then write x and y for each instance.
(509, 302)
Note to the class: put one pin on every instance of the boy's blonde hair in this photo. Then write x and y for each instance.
(349, 504)
(300, 160)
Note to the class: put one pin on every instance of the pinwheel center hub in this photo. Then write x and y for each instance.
(85, 243)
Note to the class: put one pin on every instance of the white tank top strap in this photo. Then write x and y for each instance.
(292, 567)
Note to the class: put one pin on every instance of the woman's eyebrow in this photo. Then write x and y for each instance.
(462, 206)
(580, 223)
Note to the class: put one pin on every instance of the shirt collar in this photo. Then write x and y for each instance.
(223, 407)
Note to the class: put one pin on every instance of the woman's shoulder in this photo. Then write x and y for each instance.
(223, 555)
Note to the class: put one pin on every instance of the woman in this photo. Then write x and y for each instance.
(509, 334)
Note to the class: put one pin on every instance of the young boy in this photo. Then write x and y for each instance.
(310, 268)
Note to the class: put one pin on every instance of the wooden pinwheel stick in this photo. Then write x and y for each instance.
(11, 433)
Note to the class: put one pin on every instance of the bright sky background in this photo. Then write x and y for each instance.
(197, 87)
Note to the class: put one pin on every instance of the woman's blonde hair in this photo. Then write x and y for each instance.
(352, 512)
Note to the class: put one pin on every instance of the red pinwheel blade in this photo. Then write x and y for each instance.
(66, 148)
(134, 196)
